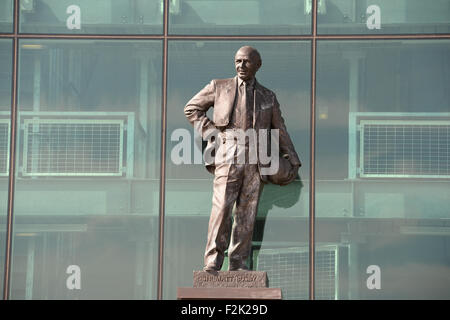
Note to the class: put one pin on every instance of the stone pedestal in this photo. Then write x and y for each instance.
(229, 285)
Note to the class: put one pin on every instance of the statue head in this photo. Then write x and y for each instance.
(247, 62)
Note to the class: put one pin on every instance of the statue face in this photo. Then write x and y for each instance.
(246, 63)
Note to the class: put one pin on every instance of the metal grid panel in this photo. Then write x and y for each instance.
(288, 269)
(4, 147)
(72, 147)
(397, 148)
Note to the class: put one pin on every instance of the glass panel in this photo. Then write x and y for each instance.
(87, 190)
(240, 17)
(281, 234)
(383, 169)
(87, 16)
(5, 107)
(383, 16)
(6, 16)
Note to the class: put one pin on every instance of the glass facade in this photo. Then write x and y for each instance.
(6, 16)
(99, 92)
(91, 17)
(383, 16)
(5, 107)
(189, 189)
(87, 184)
(238, 17)
(382, 188)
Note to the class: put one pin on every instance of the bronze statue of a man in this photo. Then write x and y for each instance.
(240, 104)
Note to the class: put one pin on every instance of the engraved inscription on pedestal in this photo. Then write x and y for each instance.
(230, 279)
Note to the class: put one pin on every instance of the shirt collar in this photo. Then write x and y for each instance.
(249, 83)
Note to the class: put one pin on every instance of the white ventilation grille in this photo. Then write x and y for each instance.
(406, 148)
(73, 147)
(4, 147)
(288, 269)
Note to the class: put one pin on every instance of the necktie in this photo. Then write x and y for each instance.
(249, 106)
(245, 106)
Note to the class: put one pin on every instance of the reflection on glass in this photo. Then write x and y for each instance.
(281, 232)
(383, 16)
(87, 16)
(243, 17)
(5, 107)
(6, 16)
(383, 168)
(86, 201)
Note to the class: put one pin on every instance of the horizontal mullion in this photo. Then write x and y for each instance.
(382, 36)
(79, 36)
(221, 37)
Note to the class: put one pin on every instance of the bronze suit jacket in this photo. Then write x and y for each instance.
(220, 94)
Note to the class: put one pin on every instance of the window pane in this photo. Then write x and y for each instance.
(383, 168)
(5, 107)
(6, 16)
(281, 232)
(383, 16)
(86, 201)
(240, 17)
(87, 16)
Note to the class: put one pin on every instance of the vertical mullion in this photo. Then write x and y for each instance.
(12, 158)
(162, 179)
(312, 176)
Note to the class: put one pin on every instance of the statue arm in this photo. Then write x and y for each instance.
(285, 143)
(195, 110)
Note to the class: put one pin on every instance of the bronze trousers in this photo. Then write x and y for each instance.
(238, 184)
